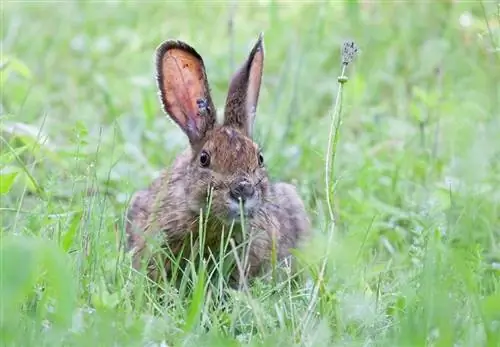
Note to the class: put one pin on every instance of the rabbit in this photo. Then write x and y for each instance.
(221, 158)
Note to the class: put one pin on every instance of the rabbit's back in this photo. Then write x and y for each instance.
(291, 214)
(161, 208)
(136, 221)
(284, 218)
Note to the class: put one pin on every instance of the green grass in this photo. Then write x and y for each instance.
(414, 259)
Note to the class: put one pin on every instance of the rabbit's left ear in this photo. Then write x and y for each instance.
(184, 91)
(243, 94)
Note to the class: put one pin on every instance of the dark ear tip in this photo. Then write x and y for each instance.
(167, 45)
(259, 45)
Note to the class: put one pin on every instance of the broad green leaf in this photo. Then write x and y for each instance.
(26, 263)
(13, 64)
(69, 236)
(491, 306)
(7, 179)
(9, 156)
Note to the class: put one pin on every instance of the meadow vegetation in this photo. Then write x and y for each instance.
(414, 257)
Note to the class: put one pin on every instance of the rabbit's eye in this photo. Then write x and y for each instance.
(204, 159)
(261, 160)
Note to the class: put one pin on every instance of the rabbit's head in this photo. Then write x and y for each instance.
(223, 158)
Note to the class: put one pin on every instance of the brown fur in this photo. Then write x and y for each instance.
(170, 207)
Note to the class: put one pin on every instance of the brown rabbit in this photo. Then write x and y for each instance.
(221, 159)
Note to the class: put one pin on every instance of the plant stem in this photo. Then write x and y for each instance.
(333, 139)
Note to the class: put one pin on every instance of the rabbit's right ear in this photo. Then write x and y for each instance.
(184, 90)
(244, 88)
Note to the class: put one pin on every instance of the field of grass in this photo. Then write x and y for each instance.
(414, 257)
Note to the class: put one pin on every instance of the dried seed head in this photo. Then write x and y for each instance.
(349, 52)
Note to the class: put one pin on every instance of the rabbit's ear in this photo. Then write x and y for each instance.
(184, 89)
(243, 95)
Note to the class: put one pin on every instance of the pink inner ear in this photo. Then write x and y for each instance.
(184, 83)
(244, 88)
(254, 83)
(192, 126)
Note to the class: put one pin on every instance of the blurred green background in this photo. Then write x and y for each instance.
(415, 257)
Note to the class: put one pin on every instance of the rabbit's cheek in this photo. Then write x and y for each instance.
(263, 187)
(252, 204)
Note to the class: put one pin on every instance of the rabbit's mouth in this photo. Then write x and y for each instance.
(238, 204)
(236, 212)
(232, 211)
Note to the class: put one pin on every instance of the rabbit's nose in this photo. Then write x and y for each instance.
(241, 190)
